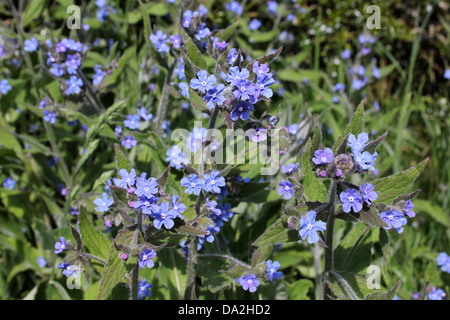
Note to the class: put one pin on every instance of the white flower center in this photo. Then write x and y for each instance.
(203, 83)
(193, 184)
(249, 281)
(310, 226)
(391, 217)
(163, 216)
(351, 199)
(286, 188)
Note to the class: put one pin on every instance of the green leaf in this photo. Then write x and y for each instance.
(224, 34)
(299, 289)
(197, 101)
(122, 161)
(277, 233)
(391, 187)
(33, 11)
(436, 212)
(194, 54)
(380, 295)
(115, 270)
(315, 190)
(355, 126)
(95, 241)
(371, 217)
(112, 80)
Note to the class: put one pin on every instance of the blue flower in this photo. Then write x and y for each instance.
(346, 54)
(129, 142)
(408, 209)
(74, 85)
(164, 216)
(235, 7)
(60, 245)
(249, 282)
(127, 180)
(263, 82)
(144, 289)
(447, 74)
(213, 182)
(132, 122)
(351, 199)
(443, 260)
(291, 167)
(4, 86)
(357, 144)
(367, 193)
(176, 157)
(68, 270)
(57, 70)
(98, 75)
(244, 90)
(193, 184)
(184, 89)
(147, 205)
(72, 63)
(103, 203)
(254, 24)
(436, 294)
(241, 110)
(208, 236)
(176, 40)
(146, 187)
(204, 82)
(233, 55)
(142, 112)
(211, 205)
(214, 97)
(309, 227)
(41, 262)
(145, 259)
(202, 32)
(31, 45)
(261, 69)
(272, 270)
(286, 189)
(178, 207)
(394, 219)
(49, 116)
(9, 183)
(364, 161)
(159, 41)
(323, 156)
(187, 18)
(272, 7)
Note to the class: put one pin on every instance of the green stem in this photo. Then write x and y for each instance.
(190, 270)
(329, 233)
(162, 106)
(134, 282)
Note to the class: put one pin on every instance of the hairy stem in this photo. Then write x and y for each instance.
(190, 270)
(329, 238)
(134, 282)
(162, 106)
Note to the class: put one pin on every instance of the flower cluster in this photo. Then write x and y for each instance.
(443, 261)
(353, 199)
(396, 218)
(211, 182)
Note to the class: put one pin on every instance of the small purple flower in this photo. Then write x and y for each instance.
(351, 199)
(221, 45)
(232, 56)
(147, 205)
(159, 41)
(176, 157)
(103, 203)
(118, 131)
(213, 182)
(177, 206)
(408, 209)
(129, 142)
(176, 40)
(447, 74)
(68, 270)
(72, 63)
(286, 189)
(164, 216)
(263, 81)
(367, 193)
(187, 18)
(394, 219)
(9, 183)
(235, 7)
(241, 110)
(211, 205)
(202, 32)
(249, 282)
(204, 82)
(254, 24)
(272, 270)
(214, 97)
(145, 259)
(98, 75)
(132, 122)
(127, 180)
(60, 246)
(41, 262)
(365, 160)
(291, 167)
(193, 184)
(309, 227)
(346, 54)
(261, 69)
(323, 156)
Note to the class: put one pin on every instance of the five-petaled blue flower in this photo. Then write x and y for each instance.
(31, 45)
(127, 180)
(9, 183)
(129, 142)
(436, 294)
(103, 203)
(351, 199)
(309, 227)
(4, 86)
(213, 182)
(145, 259)
(132, 122)
(290, 168)
(193, 184)
(272, 270)
(364, 161)
(394, 219)
(146, 187)
(408, 209)
(241, 110)
(204, 82)
(148, 206)
(357, 144)
(164, 216)
(249, 282)
(68, 270)
(74, 85)
(286, 189)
